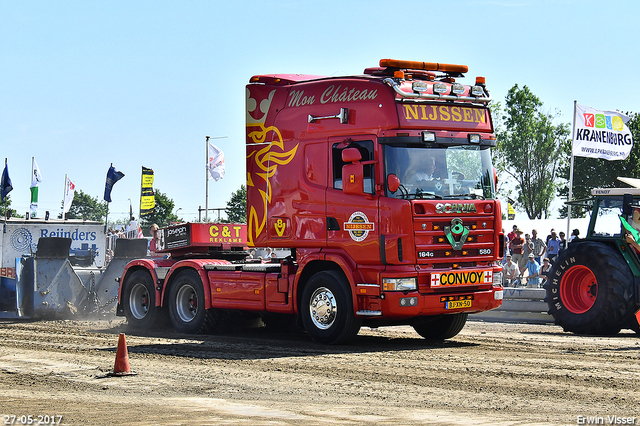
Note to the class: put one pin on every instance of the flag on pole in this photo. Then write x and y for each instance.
(36, 178)
(5, 183)
(601, 134)
(216, 163)
(69, 193)
(112, 177)
(147, 197)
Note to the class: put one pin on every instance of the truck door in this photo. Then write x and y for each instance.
(352, 219)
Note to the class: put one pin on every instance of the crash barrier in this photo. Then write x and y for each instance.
(48, 285)
(520, 305)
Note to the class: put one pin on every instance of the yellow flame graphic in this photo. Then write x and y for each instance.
(267, 160)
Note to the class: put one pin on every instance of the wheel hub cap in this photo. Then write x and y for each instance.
(323, 308)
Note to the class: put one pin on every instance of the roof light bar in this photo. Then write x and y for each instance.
(427, 66)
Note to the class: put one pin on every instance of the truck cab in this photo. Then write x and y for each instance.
(381, 188)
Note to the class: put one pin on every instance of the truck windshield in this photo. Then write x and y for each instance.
(451, 172)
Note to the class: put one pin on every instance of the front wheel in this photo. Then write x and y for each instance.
(440, 328)
(327, 309)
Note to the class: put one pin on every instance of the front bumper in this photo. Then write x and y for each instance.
(402, 305)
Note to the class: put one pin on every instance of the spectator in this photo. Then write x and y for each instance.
(539, 246)
(510, 271)
(533, 267)
(153, 229)
(563, 242)
(516, 247)
(544, 271)
(511, 235)
(526, 250)
(574, 235)
(549, 236)
(553, 247)
(506, 245)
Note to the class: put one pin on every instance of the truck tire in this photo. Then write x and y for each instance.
(186, 304)
(440, 328)
(327, 309)
(590, 289)
(139, 302)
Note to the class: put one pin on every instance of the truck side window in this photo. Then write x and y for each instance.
(366, 151)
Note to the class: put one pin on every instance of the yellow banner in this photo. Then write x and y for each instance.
(147, 197)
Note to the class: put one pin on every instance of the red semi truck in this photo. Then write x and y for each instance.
(381, 188)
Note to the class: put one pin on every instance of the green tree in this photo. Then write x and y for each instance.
(162, 213)
(530, 150)
(237, 206)
(6, 205)
(86, 207)
(591, 173)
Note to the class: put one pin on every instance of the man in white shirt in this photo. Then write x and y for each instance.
(510, 271)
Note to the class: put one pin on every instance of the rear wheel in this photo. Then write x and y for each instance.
(327, 309)
(590, 289)
(440, 328)
(186, 304)
(139, 302)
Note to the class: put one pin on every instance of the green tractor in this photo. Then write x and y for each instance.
(594, 285)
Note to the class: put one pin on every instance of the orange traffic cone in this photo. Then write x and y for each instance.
(121, 367)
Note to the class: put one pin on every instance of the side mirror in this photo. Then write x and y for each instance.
(393, 182)
(351, 155)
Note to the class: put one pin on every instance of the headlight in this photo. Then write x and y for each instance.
(497, 278)
(399, 284)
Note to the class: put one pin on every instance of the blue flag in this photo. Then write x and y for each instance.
(5, 183)
(112, 177)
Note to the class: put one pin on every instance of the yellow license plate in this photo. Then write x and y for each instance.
(458, 304)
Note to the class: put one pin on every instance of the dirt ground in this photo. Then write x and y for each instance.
(490, 374)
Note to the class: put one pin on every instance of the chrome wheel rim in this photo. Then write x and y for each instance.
(323, 308)
(187, 303)
(139, 301)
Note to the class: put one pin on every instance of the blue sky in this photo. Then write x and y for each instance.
(84, 84)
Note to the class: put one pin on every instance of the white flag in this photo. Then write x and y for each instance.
(69, 192)
(36, 178)
(216, 162)
(601, 134)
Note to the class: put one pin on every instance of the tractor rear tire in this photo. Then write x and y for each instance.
(590, 289)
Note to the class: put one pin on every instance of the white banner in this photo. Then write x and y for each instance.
(601, 134)
(216, 163)
(69, 192)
